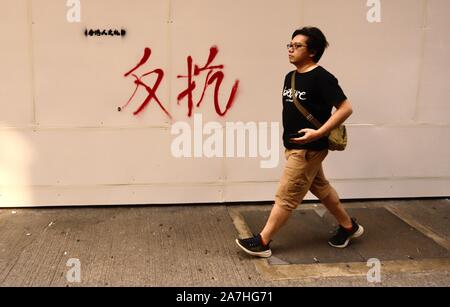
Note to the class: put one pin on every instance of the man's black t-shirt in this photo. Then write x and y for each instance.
(318, 91)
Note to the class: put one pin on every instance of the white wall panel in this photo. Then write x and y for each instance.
(63, 142)
(251, 38)
(102, 156)
(435, 85)
(80, 80)
(107, 195)
(392, 152)
(15, 63)
(377, 64)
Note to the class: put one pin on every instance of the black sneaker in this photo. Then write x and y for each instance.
(254, 246)
(343, 236)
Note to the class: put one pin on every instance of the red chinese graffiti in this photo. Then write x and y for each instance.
(214, 75)
(150, 90)
(211, 77)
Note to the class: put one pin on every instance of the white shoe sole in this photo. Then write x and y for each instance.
(265, 254)
(357, 234)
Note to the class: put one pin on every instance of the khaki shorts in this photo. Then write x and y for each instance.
(303, 172)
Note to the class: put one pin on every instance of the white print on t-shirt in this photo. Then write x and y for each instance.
(298, 94)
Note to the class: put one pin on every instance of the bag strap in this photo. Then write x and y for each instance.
(302, 109)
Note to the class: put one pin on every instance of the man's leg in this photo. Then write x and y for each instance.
(278, 217)
(348, 228)
(300, 171)
(322, 189)
(334, 205)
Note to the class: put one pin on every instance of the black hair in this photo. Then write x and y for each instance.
(317, 42)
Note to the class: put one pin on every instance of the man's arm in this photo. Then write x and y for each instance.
(343, 111)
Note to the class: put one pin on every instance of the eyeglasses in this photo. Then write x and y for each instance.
(295, 46)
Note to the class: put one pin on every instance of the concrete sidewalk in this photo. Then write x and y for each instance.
(194, 246)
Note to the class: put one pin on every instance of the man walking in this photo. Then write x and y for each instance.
(306, 146)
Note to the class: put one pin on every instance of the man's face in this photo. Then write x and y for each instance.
(298, 51)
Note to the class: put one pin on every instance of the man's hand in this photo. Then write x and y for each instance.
(311, 135)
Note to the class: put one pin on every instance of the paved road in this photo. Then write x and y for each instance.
(194, 246)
